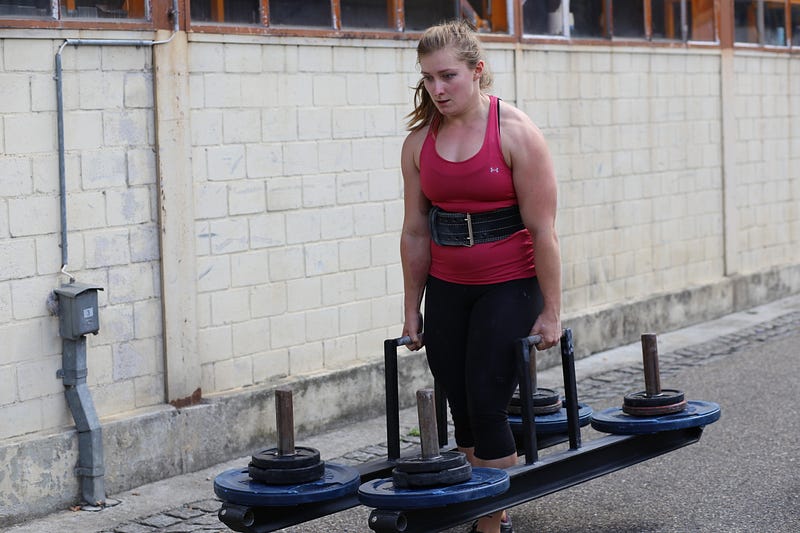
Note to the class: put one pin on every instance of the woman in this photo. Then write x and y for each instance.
(480, 204)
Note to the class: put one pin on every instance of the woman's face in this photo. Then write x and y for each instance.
(449, 81)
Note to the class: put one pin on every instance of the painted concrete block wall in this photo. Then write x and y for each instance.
(767, 170)
(298, 197)
(298, 205)
(111, 220)
(636, 142)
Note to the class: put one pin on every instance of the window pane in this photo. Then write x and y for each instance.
(543, 17)
(774, 23)
(105, 9)
(628, 18)
(666, 19)
(421, 14)
(24, 8)
(366, 14)
(745, 13)
(701, 20)
(238, 11)
(586, 17)
(796, 25)
(300, 13)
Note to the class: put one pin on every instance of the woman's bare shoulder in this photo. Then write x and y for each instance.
(517, 129)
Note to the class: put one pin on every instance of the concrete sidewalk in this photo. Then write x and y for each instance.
(187, 503)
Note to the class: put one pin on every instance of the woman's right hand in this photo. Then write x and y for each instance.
(413, 328)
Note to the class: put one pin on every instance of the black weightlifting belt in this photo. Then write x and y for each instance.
(467, 229)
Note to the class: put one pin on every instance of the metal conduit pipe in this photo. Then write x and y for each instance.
(74, 370)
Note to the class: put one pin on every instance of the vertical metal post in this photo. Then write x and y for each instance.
(284, 418)
(652, 379)
(429, 437)
(62, 172)
(392, 398)
(570, 389)
(526, 400)
(440, 396)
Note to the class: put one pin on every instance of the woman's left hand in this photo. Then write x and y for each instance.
(549, 329)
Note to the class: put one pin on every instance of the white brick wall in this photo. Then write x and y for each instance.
(111, 215)
(298, 197)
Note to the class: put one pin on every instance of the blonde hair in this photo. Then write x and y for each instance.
(459, 35)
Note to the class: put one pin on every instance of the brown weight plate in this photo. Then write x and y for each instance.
(547, 409)
(655, 410)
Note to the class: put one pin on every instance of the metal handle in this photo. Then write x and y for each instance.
(533, 340)
(402, 341)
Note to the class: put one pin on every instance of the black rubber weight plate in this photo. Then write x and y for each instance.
(641, 399)
(270, 459)
(287, 476)
(541, 397)
(405, 480)
(445, 461)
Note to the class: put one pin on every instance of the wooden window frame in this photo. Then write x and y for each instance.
(160, 18)
(394, 30)
(761, 45)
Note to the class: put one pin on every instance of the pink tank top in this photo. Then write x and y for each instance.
(478, 184)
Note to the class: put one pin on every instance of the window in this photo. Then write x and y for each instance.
(365, 15)
(233, 11)
(683, 20)
(677, 20)
(765, 22)
(421, 14)
(795, 22)
(588, 18)
(74, 9)
(543, 17)
(628, 17)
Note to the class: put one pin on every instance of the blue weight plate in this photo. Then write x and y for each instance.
(614, 420)
(382, 494)
(554, 422)
(236, 486)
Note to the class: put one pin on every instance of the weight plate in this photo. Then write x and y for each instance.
(641, 399)
(697, 413)
(237, 487)
(270, 459)
(287, 476)
(555, 422)
(537, 409)
(451, 476)
(655, 410)
(445, 461)
(540, 397)
(484, 482)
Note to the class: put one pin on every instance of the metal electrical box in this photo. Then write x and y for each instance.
(77, 310)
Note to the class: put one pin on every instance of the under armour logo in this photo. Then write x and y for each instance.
(494, 169)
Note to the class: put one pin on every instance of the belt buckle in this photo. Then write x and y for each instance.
(470, 238)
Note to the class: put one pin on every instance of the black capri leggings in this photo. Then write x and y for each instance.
(469, 337)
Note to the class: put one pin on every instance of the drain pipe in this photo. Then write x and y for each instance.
(76, 305)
